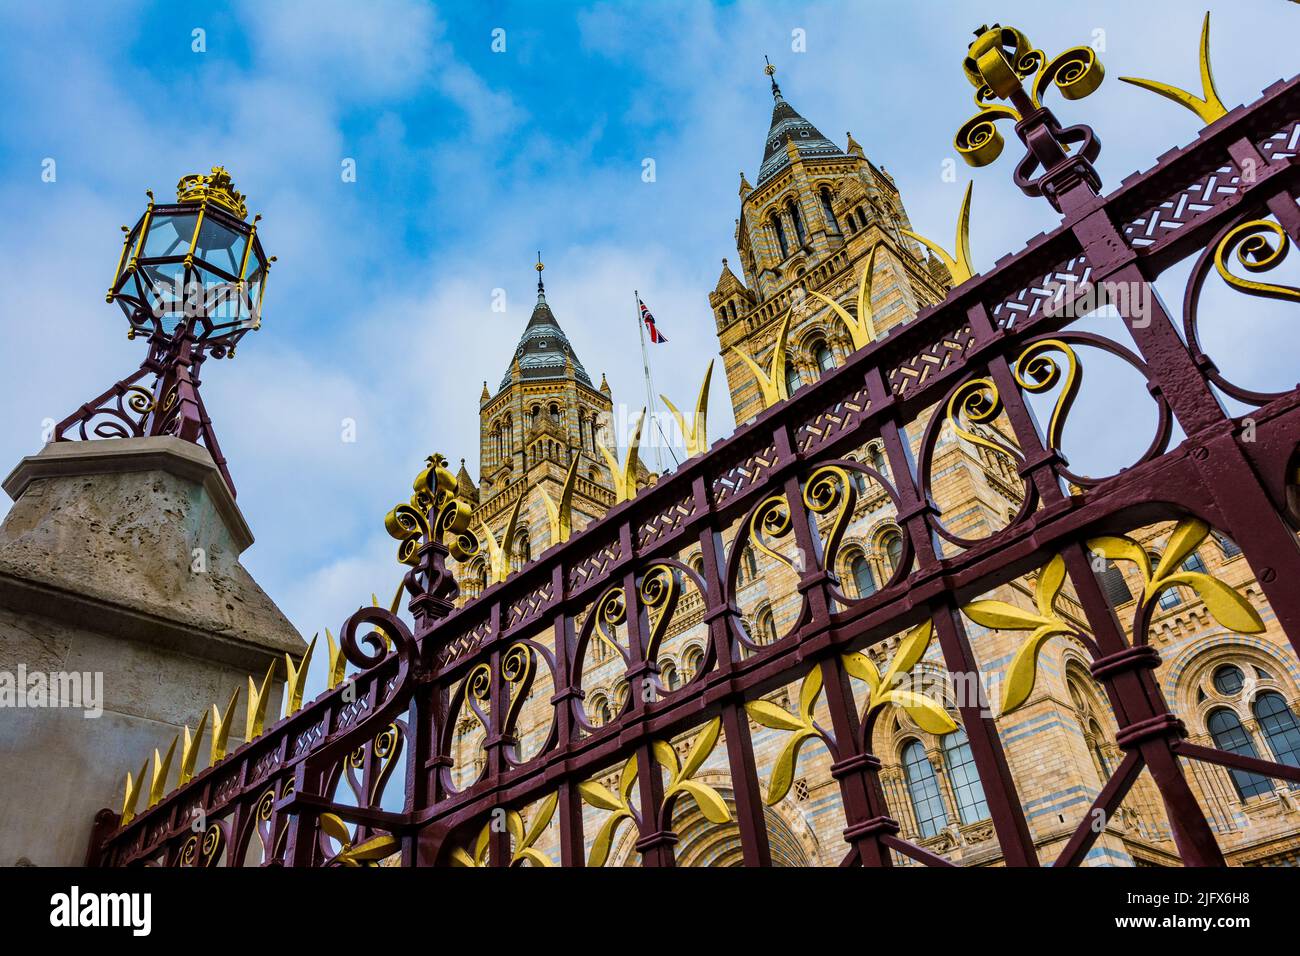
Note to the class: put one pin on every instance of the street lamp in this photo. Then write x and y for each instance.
(191, 279)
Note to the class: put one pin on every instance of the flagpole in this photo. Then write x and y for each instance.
(649, 384)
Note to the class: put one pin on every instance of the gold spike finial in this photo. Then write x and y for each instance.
(863, 328)
(297, 678)
(133, 788)
(560, 516)
(958, 268)
(772, 385)
(221, 729)
(190, 751)
(624, 477)
(161, 767)
(697, 436)
(1208, 106)
(338, 663)
(501, 556)
(255, 709)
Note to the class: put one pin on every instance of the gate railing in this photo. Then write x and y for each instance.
(783, 485)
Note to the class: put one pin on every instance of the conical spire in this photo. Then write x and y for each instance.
(465, 487)
(789, 127)
(544, 349)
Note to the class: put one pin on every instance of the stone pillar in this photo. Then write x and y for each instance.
(120, 562)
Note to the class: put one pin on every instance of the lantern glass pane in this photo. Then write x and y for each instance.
(169, 235)
(221, 247)
(162, 287)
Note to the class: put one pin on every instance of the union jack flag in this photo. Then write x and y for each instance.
(655, 335)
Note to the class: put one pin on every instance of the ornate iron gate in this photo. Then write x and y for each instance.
(786, 479)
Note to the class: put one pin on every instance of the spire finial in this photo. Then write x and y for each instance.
(770, 70)
(541, 289)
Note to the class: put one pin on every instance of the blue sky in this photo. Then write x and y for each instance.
(468, 160)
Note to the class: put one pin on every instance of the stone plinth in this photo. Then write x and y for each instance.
(120, 558)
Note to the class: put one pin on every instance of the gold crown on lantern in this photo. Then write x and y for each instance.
(216, 187)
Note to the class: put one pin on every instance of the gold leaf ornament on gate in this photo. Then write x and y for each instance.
(619, 805)
(366, 853)
(1043, 623)
(926, 712)
(800, 725)
(523, 839)
(1224, 602)
(680, 773)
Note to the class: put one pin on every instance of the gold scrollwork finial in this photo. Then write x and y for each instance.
(1207, 106)
(998, 60)
(434, 513)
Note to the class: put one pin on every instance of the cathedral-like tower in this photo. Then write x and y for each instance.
(545, 413)
(808, 224)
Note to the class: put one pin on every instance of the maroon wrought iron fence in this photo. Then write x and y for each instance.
(787, 479)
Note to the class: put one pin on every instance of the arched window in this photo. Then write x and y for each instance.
(862, 218)
(825, 357)
(923, 788)
(523, 548)
(1280, 728)
(963, 777)
(1228, 734)
(766, 627)
(781, 242)
(1113, 584)
(860, 571)
(792, 211)
(749, 564)
(667, 674)
(892, 545)
(877, 457)
(600, 709)
(827, 211)
(692, 661)
(555, 412)
(792, 383)
(1098, 754)
(1227, 546)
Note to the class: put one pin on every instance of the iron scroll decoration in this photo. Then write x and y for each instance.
(1257, 246)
